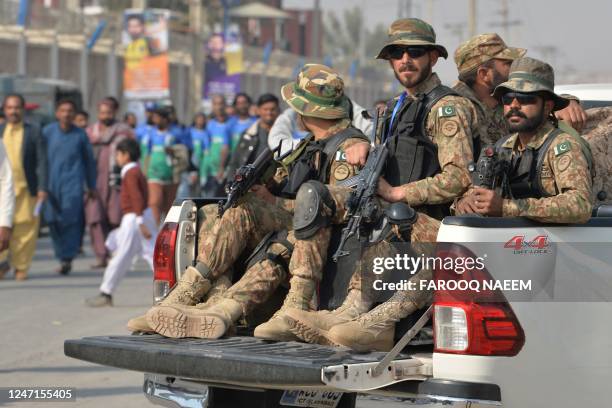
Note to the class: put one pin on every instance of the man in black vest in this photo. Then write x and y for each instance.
(432, 132)
(255, 139)
(549, 178)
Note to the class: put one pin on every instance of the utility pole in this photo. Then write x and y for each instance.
(472, 18)
(139, 4)
(362, 34)
(196, 76)
(316, 29)
(506, 23)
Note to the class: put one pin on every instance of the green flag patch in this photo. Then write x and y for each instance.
(562, 148)
(446, 111)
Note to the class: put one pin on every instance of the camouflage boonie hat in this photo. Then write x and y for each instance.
(317, 92)
(411, 31)
(529, 75)
(482, 48)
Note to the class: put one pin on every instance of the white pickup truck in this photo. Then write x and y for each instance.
(550, 346)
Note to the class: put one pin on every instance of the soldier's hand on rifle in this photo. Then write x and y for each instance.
(573, 115)
(487, 202)
(357, 154)
(263, 193)
(466, 205)
(390, 193)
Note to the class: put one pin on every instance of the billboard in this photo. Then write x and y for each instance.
(223, 65)
(145, 38)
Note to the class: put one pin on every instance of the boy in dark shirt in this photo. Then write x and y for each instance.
(137, 232)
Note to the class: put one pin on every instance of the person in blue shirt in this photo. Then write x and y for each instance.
(200, 140)
(242, 120)
(183, 136)
(160, 172)
(143, 131)
(216, 154)
(71, 167)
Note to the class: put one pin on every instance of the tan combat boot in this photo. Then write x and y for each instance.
(220, 286)
(300, 295)
(313, 327)
(189, 290)
(373, 330)
(179, 321)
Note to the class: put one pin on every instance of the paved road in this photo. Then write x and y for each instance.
(40, 313)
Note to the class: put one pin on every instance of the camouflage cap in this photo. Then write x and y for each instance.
(317, 92)
(411, 31)
(529, 75)
(482, 48)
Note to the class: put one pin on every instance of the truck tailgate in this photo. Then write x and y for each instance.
(229, 360)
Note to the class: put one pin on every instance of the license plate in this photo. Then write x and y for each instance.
(311, 398)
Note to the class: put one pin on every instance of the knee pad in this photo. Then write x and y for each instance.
(403, 217)
(263, 251)
(314, 209)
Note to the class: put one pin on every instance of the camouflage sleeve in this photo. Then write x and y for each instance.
(570, 178)
(450, 124)
(339, 169)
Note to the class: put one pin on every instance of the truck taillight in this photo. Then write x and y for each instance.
(164, 270)
(473, 322)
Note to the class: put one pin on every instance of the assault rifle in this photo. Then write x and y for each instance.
(362, 205)
(247, 176)
(490, 171)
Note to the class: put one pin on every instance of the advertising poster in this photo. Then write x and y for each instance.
(145, 37)
(223, 66)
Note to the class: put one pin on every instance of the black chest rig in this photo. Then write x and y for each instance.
(412, 154)
(525, 170)
(308, 165)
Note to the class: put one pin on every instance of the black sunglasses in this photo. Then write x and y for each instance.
(397, 52)
(522, 98)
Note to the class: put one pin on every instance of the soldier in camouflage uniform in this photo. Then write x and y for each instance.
(432, 131)
(549, 178)
(598, 132)
(483, 63)
(318, 97)
(207, 216)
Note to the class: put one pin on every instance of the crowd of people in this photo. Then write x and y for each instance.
(79, 189)
(118, 178)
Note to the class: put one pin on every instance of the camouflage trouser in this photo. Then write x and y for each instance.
(240, 228)
(422, 236)
(259, 281)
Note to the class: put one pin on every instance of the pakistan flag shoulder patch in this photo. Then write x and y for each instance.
(562, 148)
(446, 111)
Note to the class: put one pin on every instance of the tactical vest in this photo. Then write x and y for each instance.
(412, 154)
(301, 164)
(525, 178)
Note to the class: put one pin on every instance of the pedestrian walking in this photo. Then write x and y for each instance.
(137, 232)
(25, 150)
(70, 169)
(103, 211)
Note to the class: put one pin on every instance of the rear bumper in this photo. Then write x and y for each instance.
(432, 393)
